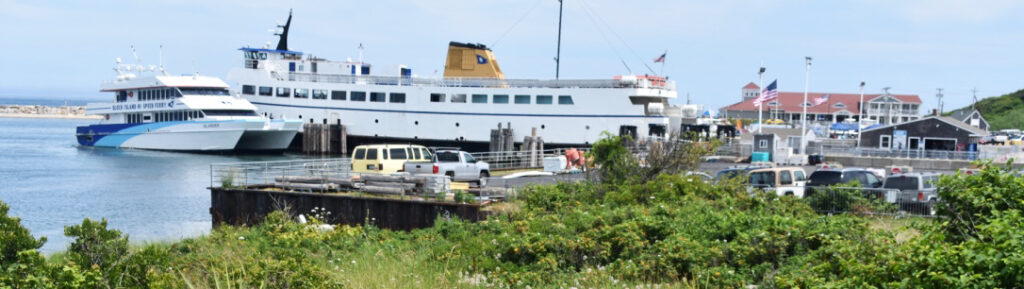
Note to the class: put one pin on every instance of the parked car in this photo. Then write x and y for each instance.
(917, 191)
(457, 165)
(734, 172)
(784, 181)
(830, 177)
(386, 158)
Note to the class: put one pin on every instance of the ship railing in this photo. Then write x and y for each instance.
(483, 82)
(246, 174)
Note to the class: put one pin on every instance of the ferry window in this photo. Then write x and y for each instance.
(358, 96)
(565, 99)
(500, 98)
(228, 112)
(319, 94)
(360, 154)
(177, 93)
(437, 97)
(543, 99)
(461, 98)
(205, 91)
(338, 94)
(398, 154)
(371, 154)
(266, 90)
(301, 93)
(284, 92)
(397, 97)
(146, 118)
(377, 97)
(522, 99)
(479, 98)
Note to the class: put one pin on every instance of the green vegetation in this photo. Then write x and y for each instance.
(630, 229)
(1004, 111)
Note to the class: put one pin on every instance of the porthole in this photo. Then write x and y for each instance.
(542, 126)
(456, 124)
(376, 121)
(375, 135)
(416, 122)
(300, 116)
(588, 127)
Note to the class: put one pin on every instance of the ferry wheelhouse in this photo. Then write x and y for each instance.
(461, 108)
(180, 113)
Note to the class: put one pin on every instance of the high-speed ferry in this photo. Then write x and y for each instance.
(180, 113)
(472, 98)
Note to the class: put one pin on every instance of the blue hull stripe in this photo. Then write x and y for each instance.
(449, 112)
(113, 135)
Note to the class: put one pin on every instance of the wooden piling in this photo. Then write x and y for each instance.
(324, 138)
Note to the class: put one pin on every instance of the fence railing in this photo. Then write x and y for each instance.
(869, 201)
(506, 160)
(244, 174)
(910, 154)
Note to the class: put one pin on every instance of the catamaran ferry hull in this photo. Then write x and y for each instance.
(273, 136)
(204, 136)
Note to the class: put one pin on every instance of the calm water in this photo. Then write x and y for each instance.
(50, 182)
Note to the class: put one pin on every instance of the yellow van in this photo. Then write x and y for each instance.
(386, 158)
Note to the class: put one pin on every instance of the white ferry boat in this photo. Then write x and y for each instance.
(472, 98)
(181, 113)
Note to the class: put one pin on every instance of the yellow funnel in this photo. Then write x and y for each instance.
(471, 60)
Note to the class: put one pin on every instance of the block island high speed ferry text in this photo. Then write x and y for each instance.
(180, 113)
(472, 98)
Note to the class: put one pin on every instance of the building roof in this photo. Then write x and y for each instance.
(950, 120)
(751, 86)
(790, 102)
(963, 113)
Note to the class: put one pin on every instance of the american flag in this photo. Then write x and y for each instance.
(661, 58)
(769, 93)
(820, 100)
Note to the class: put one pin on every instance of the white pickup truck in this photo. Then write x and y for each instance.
(458, 165)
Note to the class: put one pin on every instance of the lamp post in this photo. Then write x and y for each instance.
(760, 97)
(807, 85)
(860, 113)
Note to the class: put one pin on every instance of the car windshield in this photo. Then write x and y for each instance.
(901, 183)
(727, 174)
(447, 157)
(825, 178)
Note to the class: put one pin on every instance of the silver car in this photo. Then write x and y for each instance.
(917, 191)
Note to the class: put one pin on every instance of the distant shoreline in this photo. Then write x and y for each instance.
(45, 112)
(49, 116)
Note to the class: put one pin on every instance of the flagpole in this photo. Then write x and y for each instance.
(760, 97)
(662, 73)
(803, 117)
(860, 113)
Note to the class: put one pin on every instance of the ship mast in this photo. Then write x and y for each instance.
(558, 52)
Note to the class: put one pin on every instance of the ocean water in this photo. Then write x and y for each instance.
(50, 182)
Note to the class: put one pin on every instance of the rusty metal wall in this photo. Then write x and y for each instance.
(249, 207)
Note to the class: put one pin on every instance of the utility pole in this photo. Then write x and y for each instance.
(803, 117)
(938, 95)
(974, 95)
(760, 97)
(860, 113)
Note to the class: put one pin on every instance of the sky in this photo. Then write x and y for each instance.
(65, 49)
